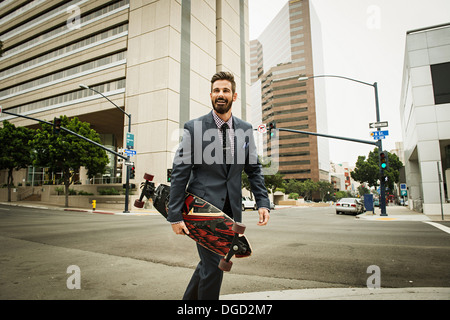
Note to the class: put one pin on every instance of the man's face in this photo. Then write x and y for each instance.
(222, 97)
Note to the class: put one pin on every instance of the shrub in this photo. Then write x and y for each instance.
(293, 195)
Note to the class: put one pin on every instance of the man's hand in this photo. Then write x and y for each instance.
(180, 228)
(263, 216)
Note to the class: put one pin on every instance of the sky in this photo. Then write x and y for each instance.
(363, 40)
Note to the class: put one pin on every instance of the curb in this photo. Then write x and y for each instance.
(45, 207)
(420, 293)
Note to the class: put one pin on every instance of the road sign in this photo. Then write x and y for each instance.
(262, 128)
(377, 135)
(380, 133)
(130, 140)
(130, 152)
(376, 125)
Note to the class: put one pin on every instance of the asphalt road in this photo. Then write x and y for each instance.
(138, 257)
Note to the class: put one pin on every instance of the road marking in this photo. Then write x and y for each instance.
(439, 226)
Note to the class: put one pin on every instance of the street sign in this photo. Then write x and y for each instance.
(377, 135)
(376, 125)
(130, 140)
(130, 152)
(262, 128)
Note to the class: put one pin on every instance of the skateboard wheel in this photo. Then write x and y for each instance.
(139, 204)
(148, 177)
(225, 265)
(238, 228)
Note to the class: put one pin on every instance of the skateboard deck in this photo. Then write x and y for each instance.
(207, 225)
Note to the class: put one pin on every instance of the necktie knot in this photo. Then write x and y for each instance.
(226, 144)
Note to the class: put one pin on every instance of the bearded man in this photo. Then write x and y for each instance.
(208, 163)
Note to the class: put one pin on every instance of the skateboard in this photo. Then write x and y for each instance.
(207, 225)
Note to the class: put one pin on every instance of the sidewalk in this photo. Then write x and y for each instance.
(400, 213)
(42, 205)
(346, 294)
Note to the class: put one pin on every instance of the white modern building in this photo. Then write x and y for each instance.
(425, 117)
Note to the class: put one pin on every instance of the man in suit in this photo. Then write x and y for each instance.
(214, 150)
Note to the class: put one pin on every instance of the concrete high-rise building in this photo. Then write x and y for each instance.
(425, 118)
(153, 59)
(291, 47)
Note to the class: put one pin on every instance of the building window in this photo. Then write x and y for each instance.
(440, 74)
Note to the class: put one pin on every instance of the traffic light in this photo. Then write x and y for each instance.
(169, 175)
(384, 160)
(56, 125)
(132, 172)
(272, 126)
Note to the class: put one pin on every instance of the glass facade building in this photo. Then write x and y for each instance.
(288, 48)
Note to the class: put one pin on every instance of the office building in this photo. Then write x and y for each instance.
(152, 59)
(425, 118)
(288, 48)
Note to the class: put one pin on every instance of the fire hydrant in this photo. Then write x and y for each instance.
(94, 203)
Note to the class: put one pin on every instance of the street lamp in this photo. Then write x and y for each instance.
(127, 114)
(127, 185)
(377, 109)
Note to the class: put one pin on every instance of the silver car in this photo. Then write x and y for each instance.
(351, 205)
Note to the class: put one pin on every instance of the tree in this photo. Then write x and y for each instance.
(15, 151)
(369, 170)
(303, 188)
(343, 194)
(293, 186)
(66, 153)
(393, 173)
(324, 188)
(362, 190)
(307, 188)
(271, 181)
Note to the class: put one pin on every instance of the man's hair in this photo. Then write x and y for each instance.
(223, 75)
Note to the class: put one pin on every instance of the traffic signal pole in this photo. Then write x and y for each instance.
(68, 131)
(378, 143)
(84, 138)
(375, 143)
(380, 149)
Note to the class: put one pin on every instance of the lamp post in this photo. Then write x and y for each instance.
(380, 145)
(127, 184)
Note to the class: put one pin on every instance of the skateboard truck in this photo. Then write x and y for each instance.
(149, 188)
(236, 246)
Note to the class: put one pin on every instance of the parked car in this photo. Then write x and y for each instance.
(248, 203)
(351, 205)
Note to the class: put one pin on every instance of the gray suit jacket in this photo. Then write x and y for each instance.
(199, 167)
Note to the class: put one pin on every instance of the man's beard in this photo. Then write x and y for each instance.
(222, 108)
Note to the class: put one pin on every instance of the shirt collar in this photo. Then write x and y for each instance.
(219, 122)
